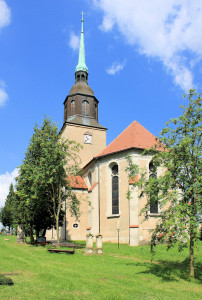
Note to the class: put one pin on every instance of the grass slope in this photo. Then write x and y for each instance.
(125, 273)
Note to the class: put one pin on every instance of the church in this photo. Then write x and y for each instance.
(102, 189)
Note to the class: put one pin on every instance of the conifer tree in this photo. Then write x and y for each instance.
(42, 184)
(7, 212)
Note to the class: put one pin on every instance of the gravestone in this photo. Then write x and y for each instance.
(20, 234)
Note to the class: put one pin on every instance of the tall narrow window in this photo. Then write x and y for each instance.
(65, 112)
(95, 111)
(73, 107)
(154, 196)
(90, 178)
(85, 108)
(115, 190)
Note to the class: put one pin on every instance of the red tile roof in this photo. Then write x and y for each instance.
(134, 136)
(92, 187)
(77, 182)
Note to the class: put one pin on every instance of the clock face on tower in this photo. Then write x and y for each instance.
(87, 139)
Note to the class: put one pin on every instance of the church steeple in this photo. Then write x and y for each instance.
(81, 112)
(81, 67)
(81, 105)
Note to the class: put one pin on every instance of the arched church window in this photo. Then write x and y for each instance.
(85, 108)
(115, 190)
(154, 196)
(73, 107)
(82, 77)
(78, 77)
(90, 178)
(151, 167)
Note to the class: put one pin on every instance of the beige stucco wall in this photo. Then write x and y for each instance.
(67, 231)
(93, 196)
(110, 223)
(96, 205)
(78, 233)
(129, 210)
(76, 132)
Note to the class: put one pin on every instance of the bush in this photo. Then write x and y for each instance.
(5, 281)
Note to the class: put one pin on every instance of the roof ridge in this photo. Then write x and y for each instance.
(116, 138)
(134, 136)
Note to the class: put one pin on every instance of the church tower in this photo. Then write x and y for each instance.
(81, 112)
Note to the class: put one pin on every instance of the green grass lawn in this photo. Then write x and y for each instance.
(124, 273)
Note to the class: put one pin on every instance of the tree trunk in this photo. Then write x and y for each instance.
(57, 229)
(37, 233)
(44, 232)
(57, 214)
(31, 235)
(191, 254)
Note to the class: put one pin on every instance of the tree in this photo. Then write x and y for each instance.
(178, 189)
(42, 184)
(7, 212)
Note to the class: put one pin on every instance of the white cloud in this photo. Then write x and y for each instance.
(5, 14)
(115, 68)
(5, 181)
(74, 41)
(3, 95)
(167, 30)
(107, 23)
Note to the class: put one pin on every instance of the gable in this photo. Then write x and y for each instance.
(134, 136)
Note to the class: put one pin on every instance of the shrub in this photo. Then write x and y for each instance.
(5, 280)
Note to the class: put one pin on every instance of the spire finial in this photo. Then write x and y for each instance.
(82, 20)
(81, 63)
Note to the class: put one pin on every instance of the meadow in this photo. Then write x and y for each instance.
(124, 273)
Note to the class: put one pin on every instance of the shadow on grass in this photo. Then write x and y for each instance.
(5, 280)
(77, 245)
(172, 271)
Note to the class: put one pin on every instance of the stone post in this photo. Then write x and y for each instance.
(89, 243)
(20, 234)
(99, 244)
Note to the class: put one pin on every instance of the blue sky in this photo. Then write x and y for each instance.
(141, 55)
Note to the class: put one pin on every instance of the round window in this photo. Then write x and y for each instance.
(75, 225)
(115, 170)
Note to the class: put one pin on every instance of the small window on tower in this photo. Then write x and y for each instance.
(72, 107)
(82, 77)
(85, 108)
(65, 112)
(96, 111)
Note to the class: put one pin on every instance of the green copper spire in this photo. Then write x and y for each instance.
(81, 63)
